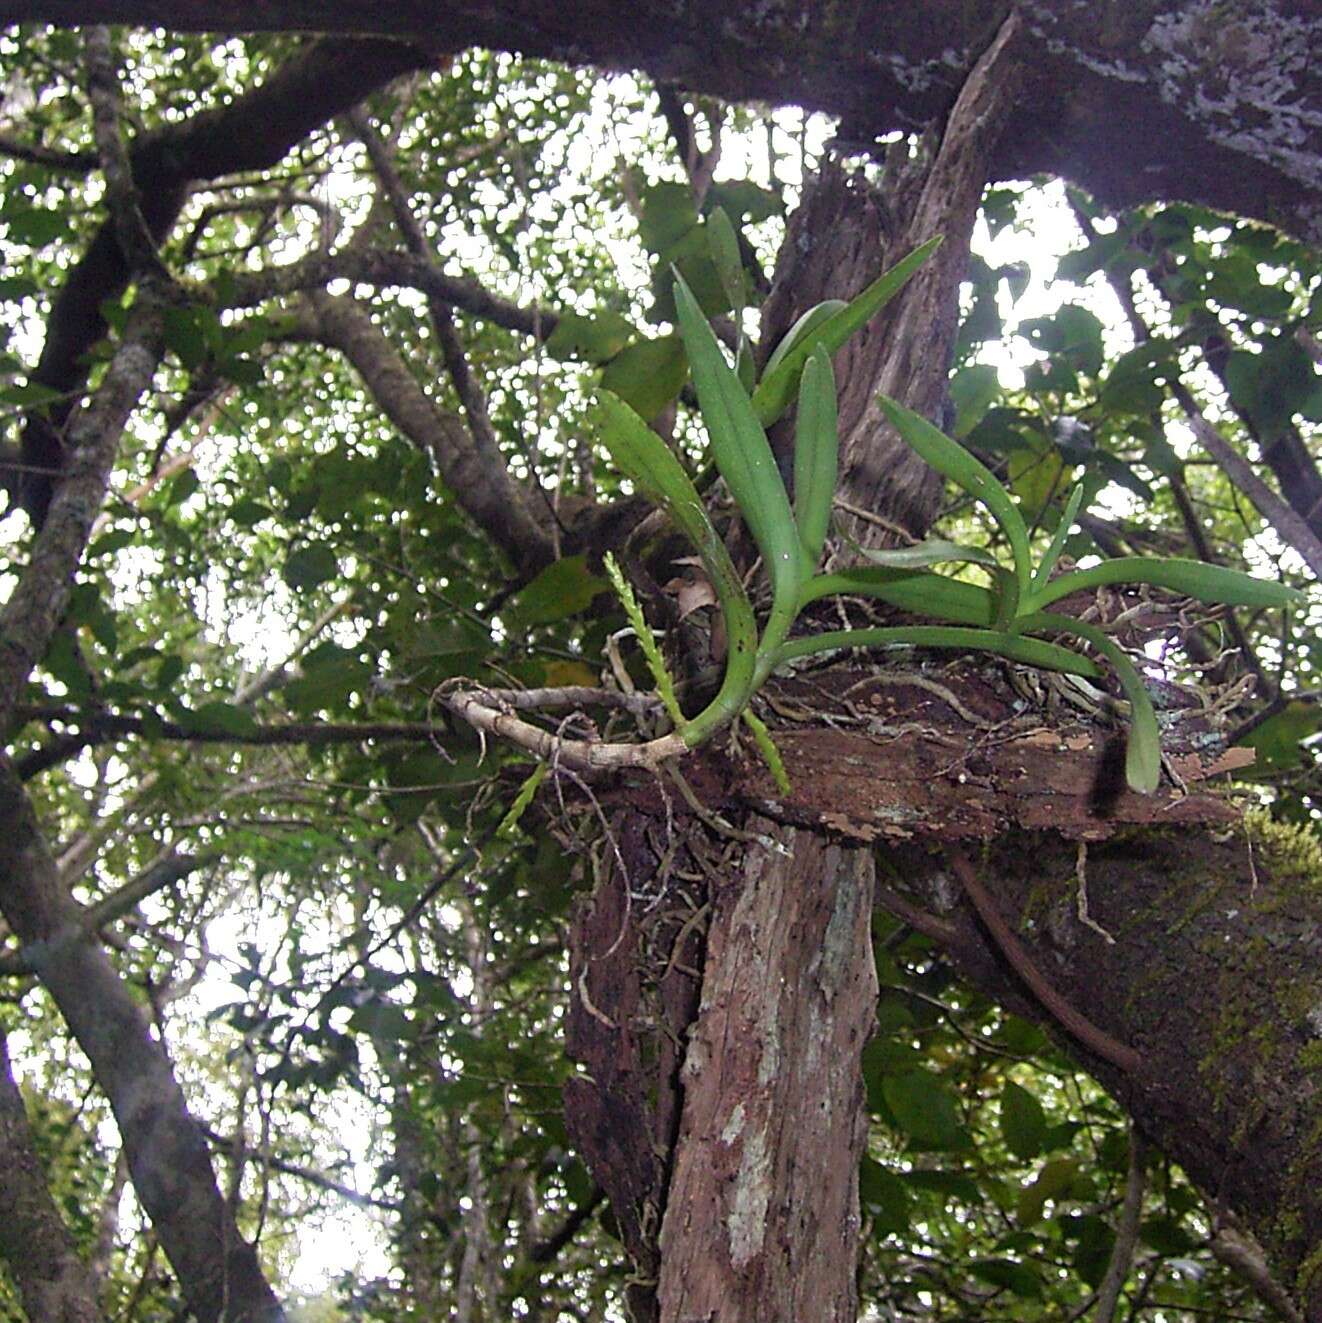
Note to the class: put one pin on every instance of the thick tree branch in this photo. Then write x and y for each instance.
(483, 489)
(53, 1282)
(136, 243)
(1161, 120)
(168, 1159)
(471, 396)
(37, 604)
(370, 266)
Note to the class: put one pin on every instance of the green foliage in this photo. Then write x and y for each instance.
(790, 541)
(364, 982)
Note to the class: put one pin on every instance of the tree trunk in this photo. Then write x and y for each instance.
(749, 1209)
(762, 1218)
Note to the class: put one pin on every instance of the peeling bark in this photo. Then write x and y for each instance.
(842, 235)
(762, 1218)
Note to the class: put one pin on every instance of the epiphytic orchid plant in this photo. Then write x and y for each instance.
(1004, 618)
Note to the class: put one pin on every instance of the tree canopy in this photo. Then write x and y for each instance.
(304, 346)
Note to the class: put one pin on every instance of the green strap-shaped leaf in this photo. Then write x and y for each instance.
(724, 245)
(1194, 578)
(745, 368)
(934, 551)
(1016, 647)
(910, 590)
(779, 382)
(644, 457)
(801, 330)
(1057, 544)
(816, 454)
(638, 452)
(1143, 748)
(953, 461)
(743, 455)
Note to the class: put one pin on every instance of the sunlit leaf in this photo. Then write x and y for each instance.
(596, 337)
(648, 375)
(1023, 1125)
(816, 453)
(953, 461)
(925, 1110)
(562, 589)
(310, 566)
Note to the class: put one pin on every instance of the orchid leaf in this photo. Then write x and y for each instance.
(801, 330)
(742, 454)
(778, 384)
(1143, 748)
(724, 245)
(910, 590)
(962, 467)
(934, 551)
(1214, 584)
(816, 454)
(1016, 647)
(638, 452)
(1057, 544)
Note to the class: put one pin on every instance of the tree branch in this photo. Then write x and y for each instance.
(80, 163)
(1292, 528)
(168, 1159)
(1244, 1257)
(371, 266)
(166, 872)
(544, 1251)
(471, 396)
(301, 1172)
(37, 604)
(1155, 123)
(253, 132)
(97, 727)
(53, 1282)
(1126, 1232)
(483, 489)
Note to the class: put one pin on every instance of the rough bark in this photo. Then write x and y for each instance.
(635, 949)
(1214, 977)
(53, 1282)
(1164, 99)
(762, 1218)
(167, 1154)
(1210, 992)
